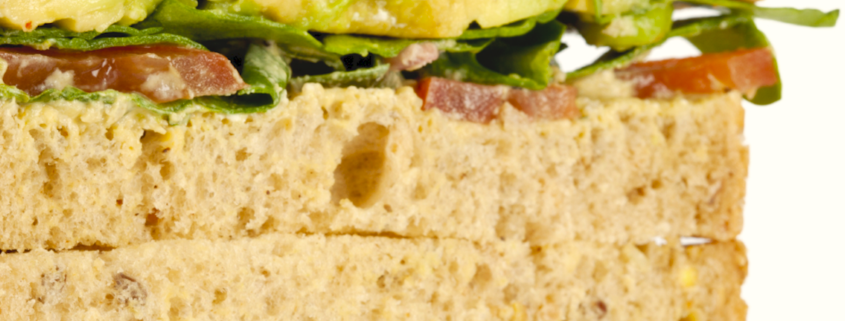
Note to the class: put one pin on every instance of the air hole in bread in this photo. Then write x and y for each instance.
(176, 307)
(635, 196)
(668, 129)
(51, 185)
(245, 216)
(219, 296)
(360, 175)
(166, 170)
(110, 133)
(482, 278)
(63, 131)
(242, 155)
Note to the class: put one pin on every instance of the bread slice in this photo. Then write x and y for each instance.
(586, 281)
(297, 277)
(370, 161)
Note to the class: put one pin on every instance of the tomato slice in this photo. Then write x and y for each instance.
(467, 101)
(745, 70)
(161, 73)
(480, 103)
(554, 102)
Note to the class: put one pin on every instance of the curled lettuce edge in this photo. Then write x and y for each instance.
(363, 77)
(113, 36)
(391, 47)
(801, 17)
(710, 35)
(523, 61)
(181, 17)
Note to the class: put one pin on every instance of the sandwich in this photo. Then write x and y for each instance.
(359, 160)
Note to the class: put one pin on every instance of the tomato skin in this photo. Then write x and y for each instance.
(553, 103)
(467, 101)
(161, 73)
(744, 70)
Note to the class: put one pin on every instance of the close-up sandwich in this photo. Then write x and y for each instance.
(376, 159)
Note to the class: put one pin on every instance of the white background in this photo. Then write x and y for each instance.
(795, 205)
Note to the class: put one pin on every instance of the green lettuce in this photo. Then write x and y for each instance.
(515, 29)
(267, 75)
(599, 6)
(618, 59)
(181, 17)
(378, 76)
(523, 61)
(709, 35)
(472, 40)
(391, 47)
(113, 36)
(801, 17)
(741, 36)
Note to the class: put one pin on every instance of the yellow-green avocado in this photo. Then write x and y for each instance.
(76, 15)
(397, 18)
(608, 7)
(402, 18)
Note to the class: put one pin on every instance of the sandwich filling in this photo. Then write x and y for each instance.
(465, 58)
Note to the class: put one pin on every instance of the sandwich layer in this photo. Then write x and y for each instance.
(370, 161)
(367, 278)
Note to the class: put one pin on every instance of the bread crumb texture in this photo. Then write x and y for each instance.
(641, 282)
(287, 277)
(370, 161)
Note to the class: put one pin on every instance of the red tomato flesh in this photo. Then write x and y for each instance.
(481, 103)
(744, 70)
(161, 73)
(554, 102)
(467, 101)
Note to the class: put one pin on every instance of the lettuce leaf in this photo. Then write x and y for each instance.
(113, 36)
(599, 6)
(742, 36)
(801, 17)
(266, 73)
(523, 61)
(181, 17)
(378, 76)
(615, 59)
(472, 40)
(515, 29)
(391, 47)
(709, 35)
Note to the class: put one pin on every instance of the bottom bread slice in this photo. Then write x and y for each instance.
(302, 277)
(641, 282)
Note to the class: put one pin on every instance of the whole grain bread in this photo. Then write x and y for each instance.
(298, 277)
(370, 161)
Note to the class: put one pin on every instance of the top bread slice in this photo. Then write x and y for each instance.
(370, 161)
